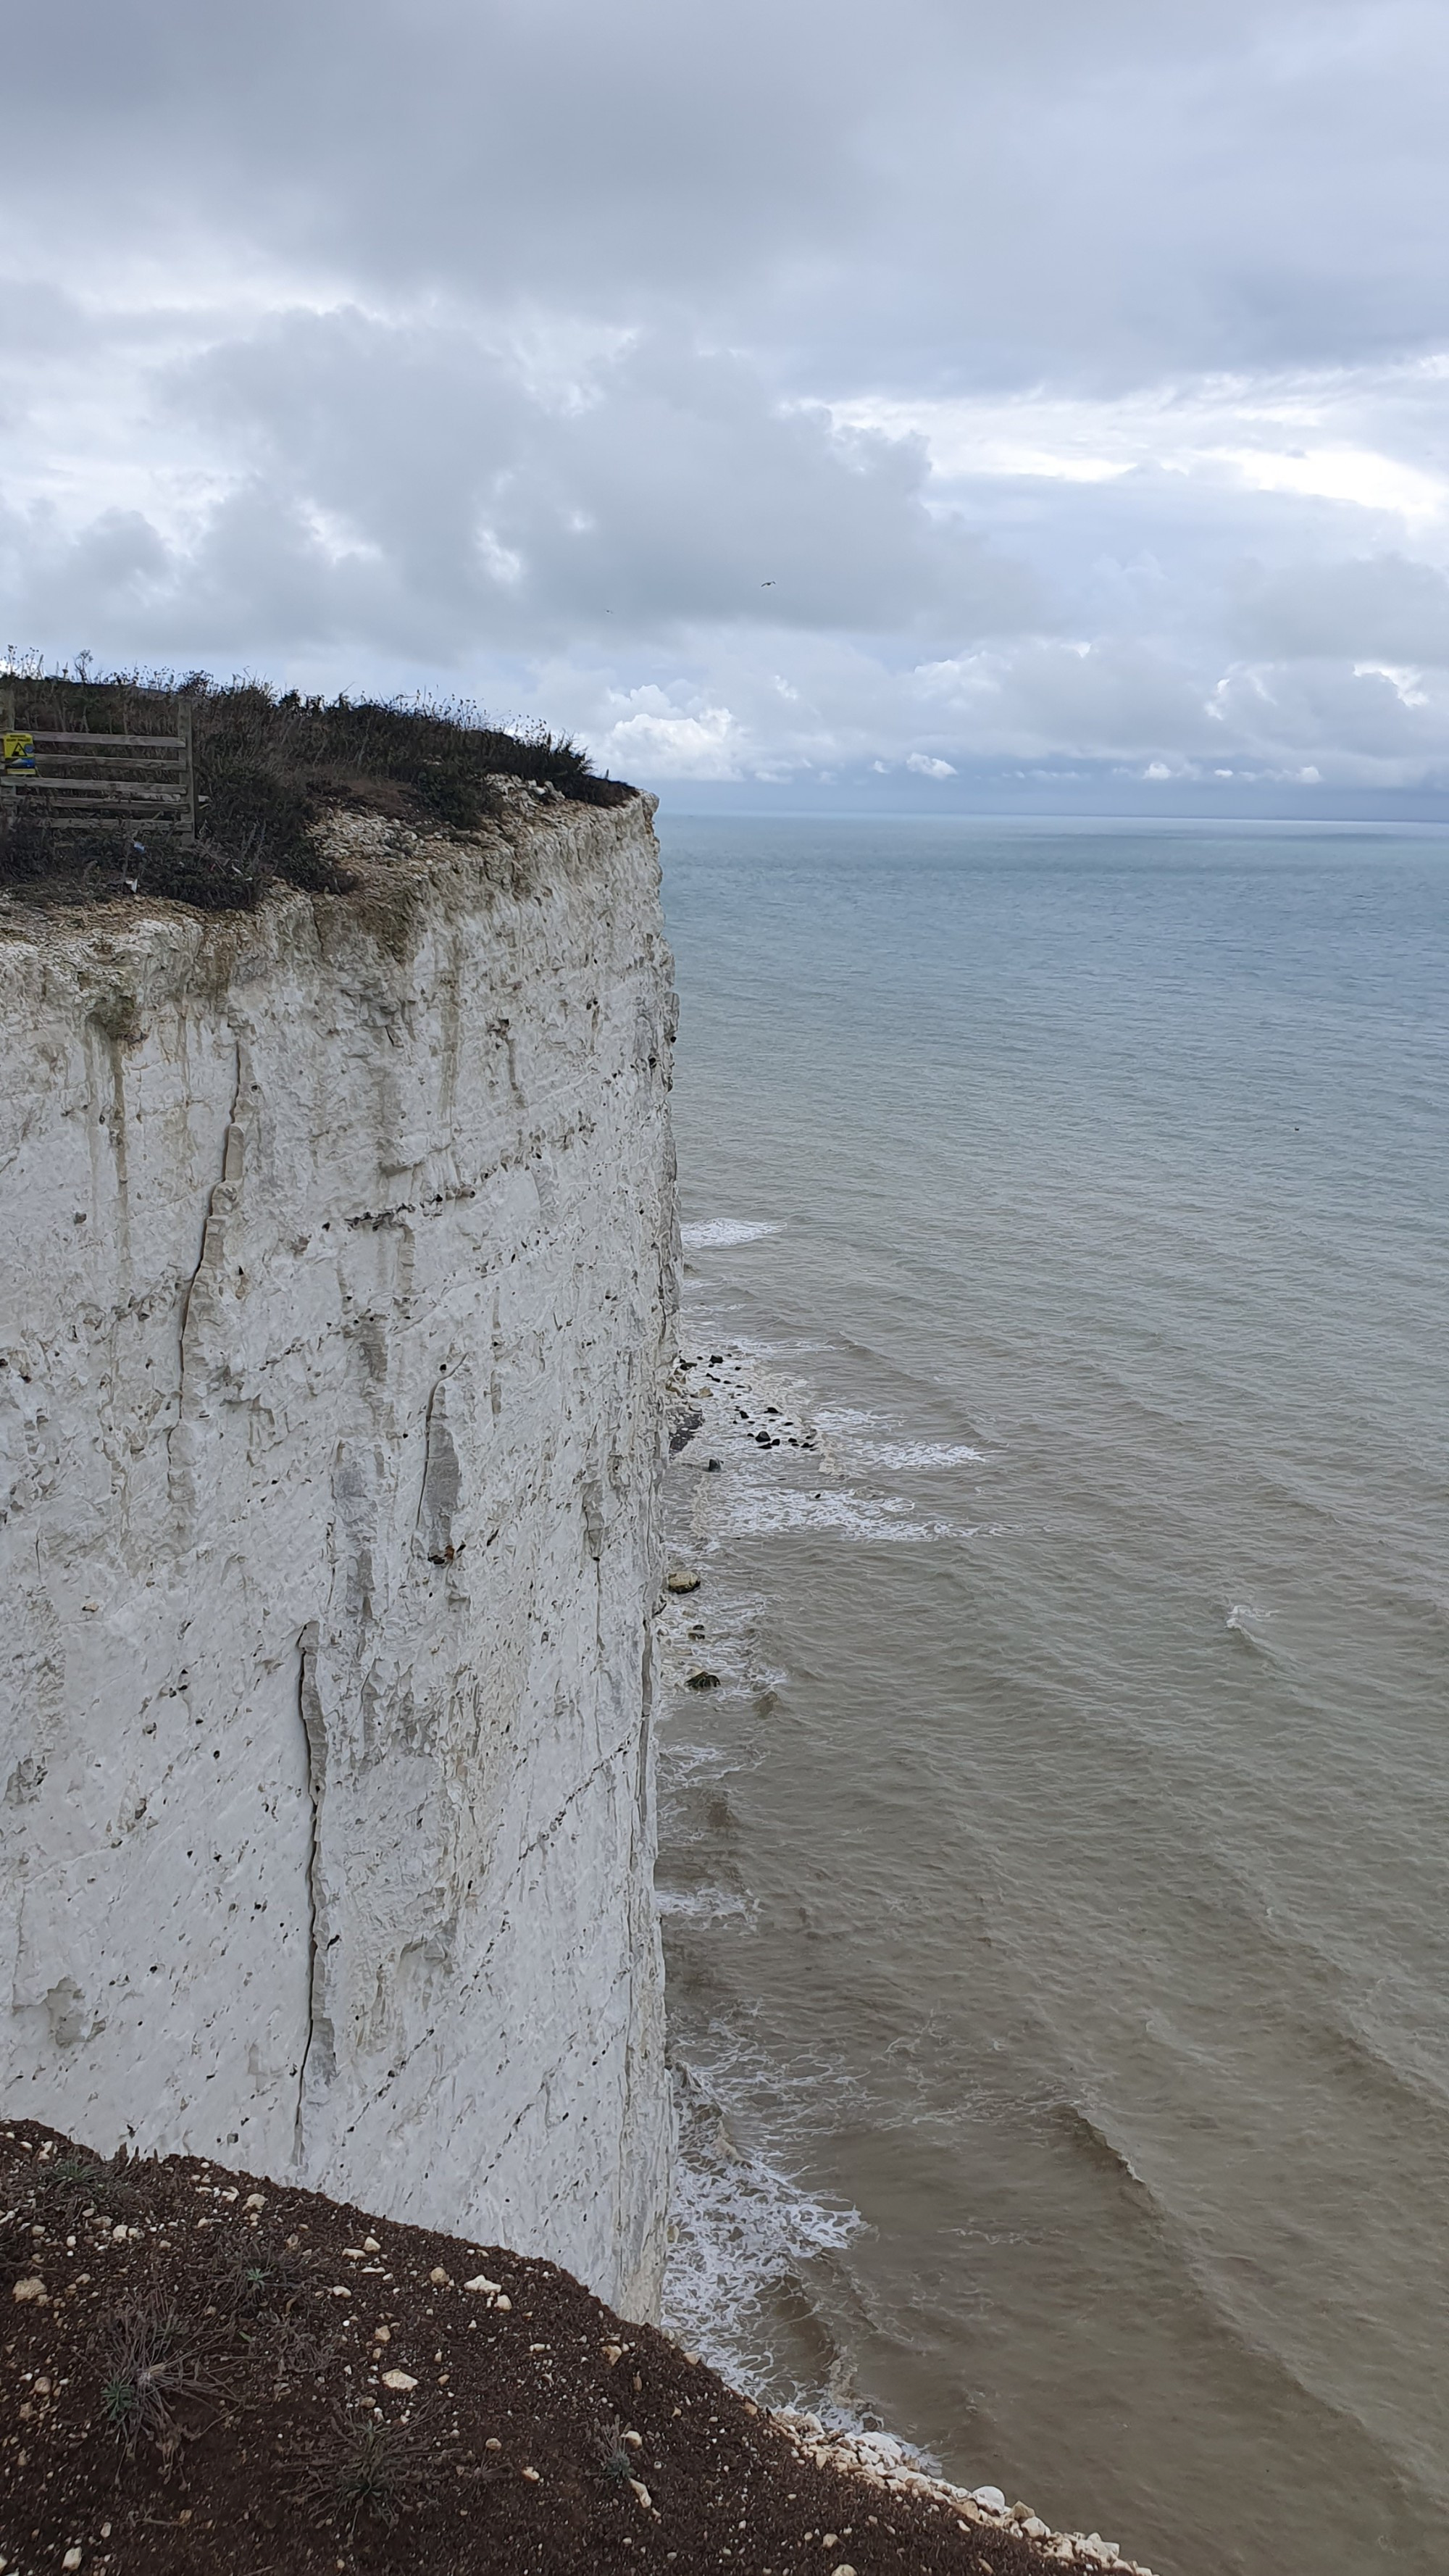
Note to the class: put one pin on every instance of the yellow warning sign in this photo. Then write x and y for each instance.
(18, 750)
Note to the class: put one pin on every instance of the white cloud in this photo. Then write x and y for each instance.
(672, 742)
(925, 767)
(1406, 685)
(1356, 475)
(1284, 434)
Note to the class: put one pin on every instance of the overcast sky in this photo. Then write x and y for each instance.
(904, 399)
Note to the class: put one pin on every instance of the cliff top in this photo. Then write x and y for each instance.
(269, 769)
(210, 2372)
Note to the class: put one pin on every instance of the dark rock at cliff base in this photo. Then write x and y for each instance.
(685, 1426)
(702, 1681)
(200, 2386)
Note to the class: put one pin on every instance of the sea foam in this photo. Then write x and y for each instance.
(717, 1232)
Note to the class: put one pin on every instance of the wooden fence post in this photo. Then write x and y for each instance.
(188, 778)
(7, 725)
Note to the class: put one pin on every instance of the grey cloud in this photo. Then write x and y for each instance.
(1377, 607)
(933, 187)
(399, 481)
(101, 577)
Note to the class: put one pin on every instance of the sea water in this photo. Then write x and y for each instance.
(1055, 1805)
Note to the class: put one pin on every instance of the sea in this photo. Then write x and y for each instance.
(1054, 1786)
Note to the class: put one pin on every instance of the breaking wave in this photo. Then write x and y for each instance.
(742, 2233)
(718, 1232)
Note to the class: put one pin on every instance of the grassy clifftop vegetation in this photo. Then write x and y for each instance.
(268, 767)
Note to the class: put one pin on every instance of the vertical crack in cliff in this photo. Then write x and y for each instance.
(319, 2027)
(206, 1276)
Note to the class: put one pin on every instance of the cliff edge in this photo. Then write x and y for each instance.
(337, 1280)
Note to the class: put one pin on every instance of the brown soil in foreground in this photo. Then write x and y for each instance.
(207, 2373)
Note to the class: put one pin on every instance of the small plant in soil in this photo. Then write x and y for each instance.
(366, 2470)
(152, 2369)
(618, 2467)
(110, 2186)
(260, 2280)
(302, 2349)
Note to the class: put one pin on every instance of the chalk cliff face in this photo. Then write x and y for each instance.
(337, 1274)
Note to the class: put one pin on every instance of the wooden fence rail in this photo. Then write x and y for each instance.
(79, 782)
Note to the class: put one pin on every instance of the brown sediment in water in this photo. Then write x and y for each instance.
(205, 2371)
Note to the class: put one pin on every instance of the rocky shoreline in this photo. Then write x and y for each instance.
(888, 2464)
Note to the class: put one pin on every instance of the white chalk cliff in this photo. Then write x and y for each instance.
(337, 1278)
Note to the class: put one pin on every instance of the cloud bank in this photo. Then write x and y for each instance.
(887, 400)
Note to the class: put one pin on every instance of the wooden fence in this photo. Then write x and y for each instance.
(89, 782)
